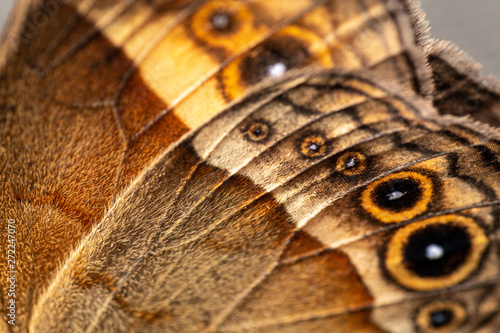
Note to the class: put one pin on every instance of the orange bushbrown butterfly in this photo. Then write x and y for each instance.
(244, 166)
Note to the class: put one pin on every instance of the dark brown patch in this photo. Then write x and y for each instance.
(202, 182)
(460, 95)
(234, 194)
(147, 146)
(138, 105)
(92, 73)
(252, 226)
(45, 26)
(301, 245)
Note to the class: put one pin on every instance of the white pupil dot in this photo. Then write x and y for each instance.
(351, 163)
(276, 70)
(434, 252)
(313, 147)
(220, 21)
(395, 195)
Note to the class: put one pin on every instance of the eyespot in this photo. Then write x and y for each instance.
(313, 146)
(257, 131)
(351, 163)
(292, 47)
(440, 317)
(273, 58)
(398, 197)
(224, 24)
(435, 253)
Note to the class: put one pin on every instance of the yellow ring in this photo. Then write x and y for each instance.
(394, 260)
(388, 216)
(423, 317)
(261, 127)
(305, 146)
(232, 42)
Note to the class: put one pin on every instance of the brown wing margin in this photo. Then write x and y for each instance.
(461, 88)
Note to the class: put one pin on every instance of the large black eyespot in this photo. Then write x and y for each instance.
(273, 58)
(437, 250)
(440, 317)
(435, 253)
(398, 197)
(291, 47)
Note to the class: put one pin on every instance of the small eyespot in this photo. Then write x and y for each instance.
(224, 25)
(435, 253)
(313, 146)
(398, 197)
(440, 317)
(257, 132)
(351, 163)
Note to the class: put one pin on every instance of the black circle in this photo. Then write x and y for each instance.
(284, 50)
(440, 318)
(453, 240)
(398, 194)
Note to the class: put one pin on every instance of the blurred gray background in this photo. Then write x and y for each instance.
(472, 25)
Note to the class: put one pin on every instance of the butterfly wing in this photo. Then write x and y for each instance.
(294, 240)
(162, 200)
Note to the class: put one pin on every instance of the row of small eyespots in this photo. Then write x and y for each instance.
(311, 146)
